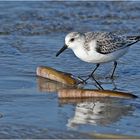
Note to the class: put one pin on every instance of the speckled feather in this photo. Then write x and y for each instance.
(108, 42)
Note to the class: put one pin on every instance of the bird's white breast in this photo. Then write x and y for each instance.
(92, 56)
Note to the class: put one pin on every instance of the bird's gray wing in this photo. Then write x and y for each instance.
(108, 42)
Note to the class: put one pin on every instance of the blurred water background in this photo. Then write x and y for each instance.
(30, 35)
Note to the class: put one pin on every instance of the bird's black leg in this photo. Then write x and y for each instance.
(91, 75)
(97, 65)
(115, 65)
(100, 87)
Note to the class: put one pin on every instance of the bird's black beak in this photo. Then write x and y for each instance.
(61, 50)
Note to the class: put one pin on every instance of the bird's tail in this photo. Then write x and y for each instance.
(136, 38)
(133, 40)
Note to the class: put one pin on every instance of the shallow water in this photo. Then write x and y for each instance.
(30, 35)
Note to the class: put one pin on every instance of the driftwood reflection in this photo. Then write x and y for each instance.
(46, 85)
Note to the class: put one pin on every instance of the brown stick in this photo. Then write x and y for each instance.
(56, 75)
(88, 93)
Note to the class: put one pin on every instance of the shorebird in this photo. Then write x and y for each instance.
(98, 47)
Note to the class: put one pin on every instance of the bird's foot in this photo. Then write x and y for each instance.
(111, 77)
(84, 81)
(81, 81)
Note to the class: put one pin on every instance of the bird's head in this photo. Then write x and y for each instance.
(73, 40)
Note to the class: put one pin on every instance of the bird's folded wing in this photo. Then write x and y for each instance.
(109, 43)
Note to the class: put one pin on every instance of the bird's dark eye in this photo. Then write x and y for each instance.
(72, 39)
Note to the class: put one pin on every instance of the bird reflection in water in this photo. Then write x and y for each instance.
(99, 111)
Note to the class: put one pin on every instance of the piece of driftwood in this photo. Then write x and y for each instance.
(55, 75)
(82, 100)
(88, 93)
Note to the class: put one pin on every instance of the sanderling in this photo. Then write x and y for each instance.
(98, 47)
